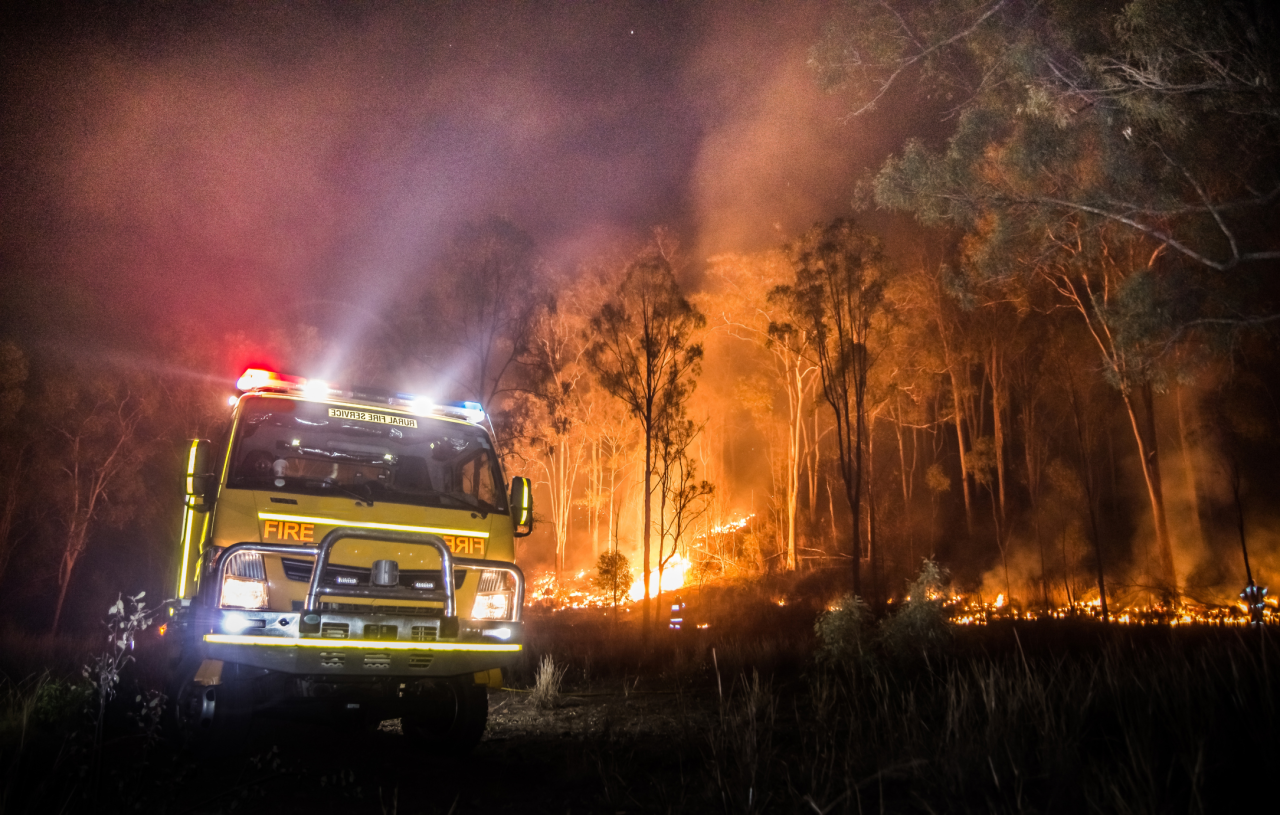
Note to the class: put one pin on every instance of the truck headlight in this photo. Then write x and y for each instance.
(244, 582)
(494, 597)
(491, 607)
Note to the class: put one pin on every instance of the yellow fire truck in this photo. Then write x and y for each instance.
(347, 553)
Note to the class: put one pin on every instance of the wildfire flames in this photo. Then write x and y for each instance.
(673, 575)
(576, 591)
(579, 591)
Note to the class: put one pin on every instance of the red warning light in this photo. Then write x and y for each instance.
(255, 378)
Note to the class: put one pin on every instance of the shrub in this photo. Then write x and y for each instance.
(844, 632)
(921, 626)
(613, 575)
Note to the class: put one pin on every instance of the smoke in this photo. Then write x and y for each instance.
(238, 165)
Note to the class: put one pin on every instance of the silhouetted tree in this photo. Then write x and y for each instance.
(643, 350)
(839, 287)
(477, 312)
(92, 453)
(13, 444)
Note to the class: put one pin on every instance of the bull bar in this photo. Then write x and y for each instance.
(284, 628)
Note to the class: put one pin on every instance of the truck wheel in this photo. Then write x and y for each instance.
(212, 717)
(449, 718)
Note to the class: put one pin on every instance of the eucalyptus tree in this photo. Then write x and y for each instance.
(559, 410)
(643, 348)
(1084, 133)
(747, 312)
(838, 291)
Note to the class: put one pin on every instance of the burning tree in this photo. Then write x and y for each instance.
(643, 352)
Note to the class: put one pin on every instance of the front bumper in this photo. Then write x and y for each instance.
(400, 646)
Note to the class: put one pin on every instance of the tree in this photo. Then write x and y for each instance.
(684, 498)
(555, 349)
(838, 289)
(13, 445)
(93, 452)
(1137, 144)
(613, 577)
(1159, 117)
(643, 351)
(478, 310)
(747, 313)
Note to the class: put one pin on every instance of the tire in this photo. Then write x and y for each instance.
(448, 718)
(211, 718)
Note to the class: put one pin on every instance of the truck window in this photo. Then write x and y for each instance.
(290, 446)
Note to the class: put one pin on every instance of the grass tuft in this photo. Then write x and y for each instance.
(547, 681)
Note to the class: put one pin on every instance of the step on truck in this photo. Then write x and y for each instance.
(347, 554)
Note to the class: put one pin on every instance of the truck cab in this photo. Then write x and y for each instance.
(347, 553)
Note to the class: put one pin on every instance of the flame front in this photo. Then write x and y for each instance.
(673, 575)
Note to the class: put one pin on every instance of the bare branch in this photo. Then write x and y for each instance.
(921, 55)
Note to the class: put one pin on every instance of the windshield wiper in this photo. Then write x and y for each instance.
(368, 499)
(469, 501)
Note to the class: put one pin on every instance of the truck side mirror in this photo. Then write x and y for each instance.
(199, 481)
(521, 506)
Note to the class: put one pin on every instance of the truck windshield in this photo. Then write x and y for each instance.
(290, 446)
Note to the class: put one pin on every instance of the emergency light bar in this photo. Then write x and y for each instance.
(259, 379)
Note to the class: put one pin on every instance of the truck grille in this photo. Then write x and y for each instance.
(376, 631)
(424, 633)
(339, 575)
(369, 608)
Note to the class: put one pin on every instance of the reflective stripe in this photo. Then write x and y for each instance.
(191, 466)
(335, 522)
(316, 642)
(188, 515)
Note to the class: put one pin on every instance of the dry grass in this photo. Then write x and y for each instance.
(547, 681)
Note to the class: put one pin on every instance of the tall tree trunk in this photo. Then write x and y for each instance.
(999, 398)
(1091, 498)
(77, 534)
(1148, 453)
(1192, 487)
(594, 485)
(9, 511)
(795, 399)
(957, 399)
(874, 559)
(906, 488)
(648, 518)
(815, 459)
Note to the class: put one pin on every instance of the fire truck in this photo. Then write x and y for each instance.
(347, 553)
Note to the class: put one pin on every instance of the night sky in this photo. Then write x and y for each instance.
(236, 166)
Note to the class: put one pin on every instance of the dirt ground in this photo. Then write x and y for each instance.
(594, 751)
